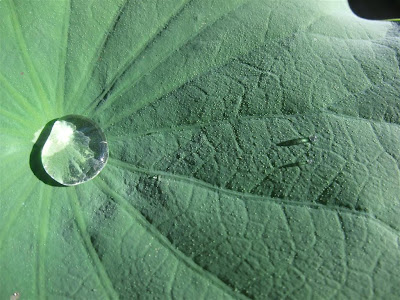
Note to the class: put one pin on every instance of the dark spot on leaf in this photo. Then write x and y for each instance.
(107, 210)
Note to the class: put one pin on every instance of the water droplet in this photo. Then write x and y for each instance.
(312, 138)
(75, 151)
(298, 141)
(15, 296)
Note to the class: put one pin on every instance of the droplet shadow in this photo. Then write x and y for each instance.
(35, 159)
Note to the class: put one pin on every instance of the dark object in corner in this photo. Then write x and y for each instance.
(376, 9)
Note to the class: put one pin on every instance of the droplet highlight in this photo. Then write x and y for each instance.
(15, 296)
(298, 141)
(75, 151)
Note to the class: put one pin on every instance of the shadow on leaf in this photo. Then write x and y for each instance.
(35, 159)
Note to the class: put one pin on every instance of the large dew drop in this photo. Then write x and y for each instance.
(75, 151)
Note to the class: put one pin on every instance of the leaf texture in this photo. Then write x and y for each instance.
(213, 189)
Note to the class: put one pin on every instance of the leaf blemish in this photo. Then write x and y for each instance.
(298, 141)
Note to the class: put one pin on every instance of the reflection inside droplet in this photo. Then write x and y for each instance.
(75, 151)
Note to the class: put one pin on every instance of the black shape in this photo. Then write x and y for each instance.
(376, 9)
(35, 159)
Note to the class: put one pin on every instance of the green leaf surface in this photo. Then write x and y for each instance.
(201, 198)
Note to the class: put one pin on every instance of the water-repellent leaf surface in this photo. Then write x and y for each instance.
(213, 188)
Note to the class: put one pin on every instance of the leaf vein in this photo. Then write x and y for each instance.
(132, 59)
(119, 163)
(81, 226)
(132, 84)
(44, 197)
(26, 58)
(85, 81)
(63, 58)
(22, 102)
(128, 208)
